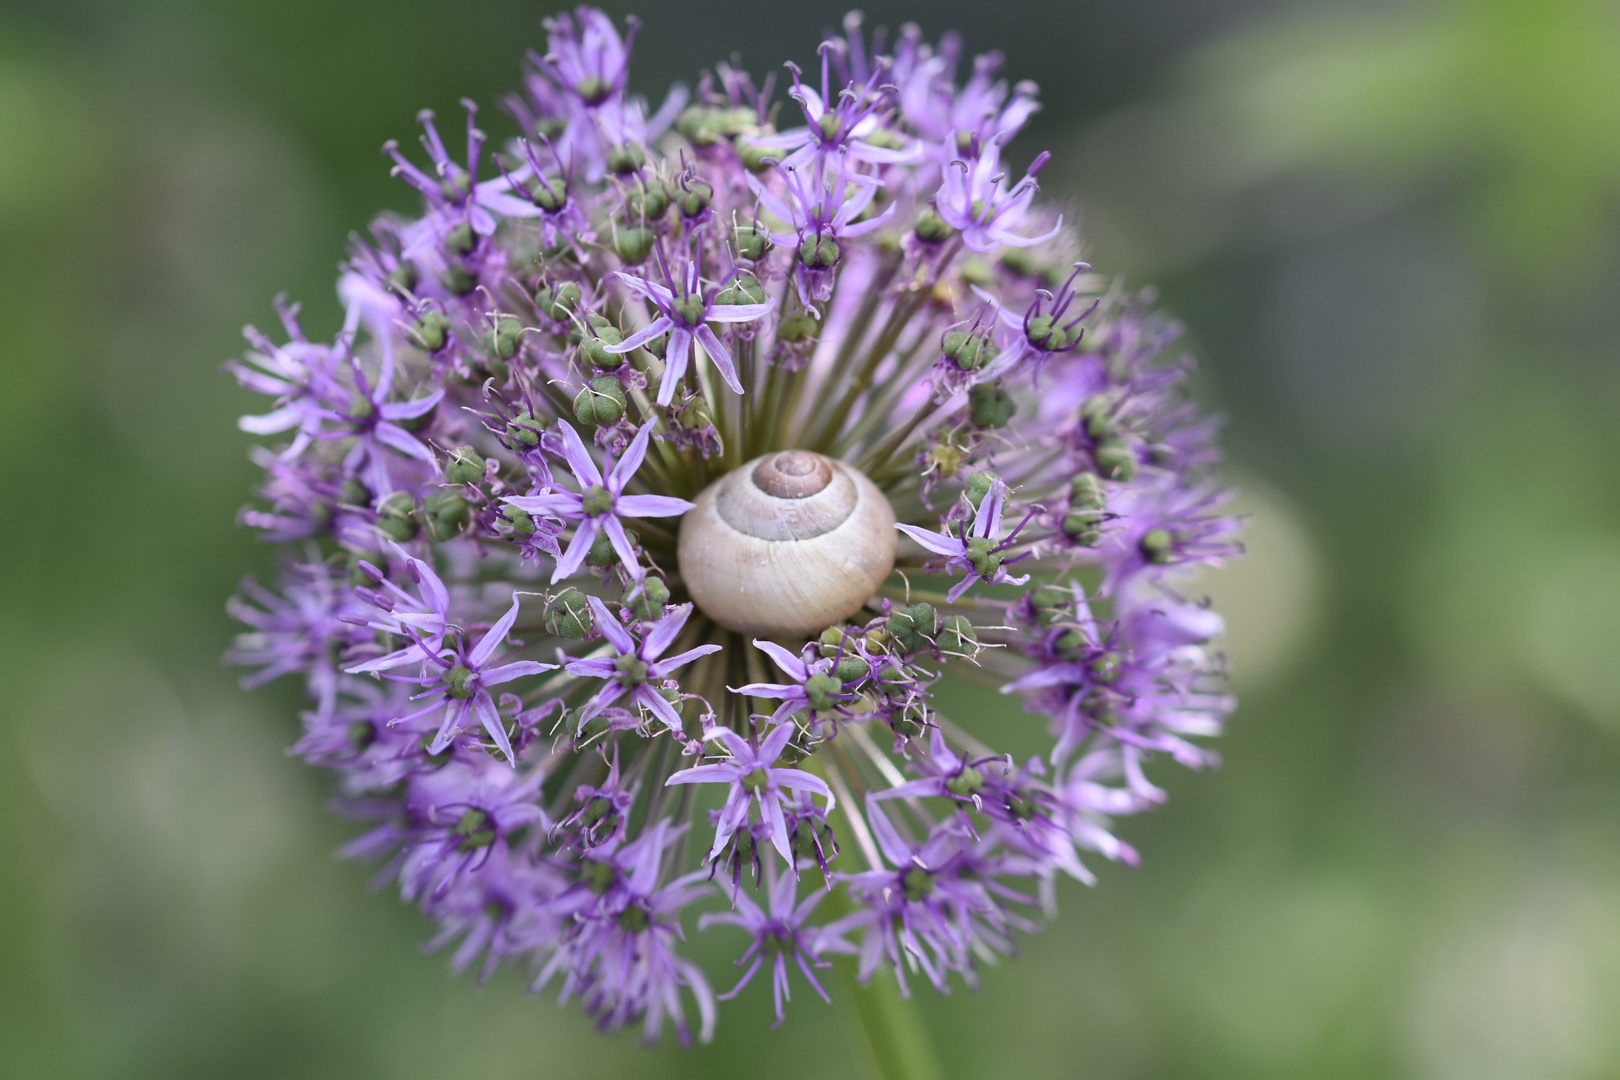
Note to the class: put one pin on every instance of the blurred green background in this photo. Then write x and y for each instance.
(1391, 229)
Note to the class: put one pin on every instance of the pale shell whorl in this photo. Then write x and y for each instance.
(789, 543)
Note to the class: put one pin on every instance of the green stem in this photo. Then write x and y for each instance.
(893, 1028)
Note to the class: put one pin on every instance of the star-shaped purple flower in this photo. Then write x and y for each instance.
(813, 687)
(975, 199)
(778, 934)
(635, 665)
(601, 502)
(978, 551)
(684, 317)
(754, 779)
(463, 681)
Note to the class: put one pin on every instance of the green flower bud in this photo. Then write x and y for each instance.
(970, 352)
(916, 883)
(456, 681)
(1050, 603)
(568, 615)
(966, 783)
(501, 340)
(1158, 546)
(524, 429)
(1046, 335)
(1105, 668)
(990, 406)
(518, 521)
(597, 876)
(982, 556)
(632, 244)
(832, 639)
(460, 239)
(690, 308)
(456, 183)
(602, 552)
(744, 289)
(956, 636)
(646, 202)
(632, 671)
(1095, 417)
(396, 517)
(694, 198)
(602, 402)
(594, 89)
(634, 919)
(429, 331)
(622, 160)
(695, 415)
(1115, 460)
(456, 280)
(978, 486)
(1018, 261)
(1082, 529)
(755, 779)
(595, 351)
(930, 227)
(819, 690)
(596, 499)
(558, 301)
(851, 669)
(446, 513)
(648, 606)
(1070, 645)
(474, 830)
(912, 627)
(464, 466)
(757, 159)
(751, 243)
(549, 195)
(798, 328)
(403, 278)
(819, 252)
(828, 122)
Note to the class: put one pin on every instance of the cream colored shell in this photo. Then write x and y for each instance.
(792, 563)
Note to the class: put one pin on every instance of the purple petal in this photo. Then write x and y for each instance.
(515, 670)
(621, 544)
(612, 628)
(634, 455)
(410, 410)
(664, 667)
(659, 707)
(489, 642)
(578, 548)
(484, 706)
(578, 459)
(720, 356)
(787, 661)
(734, 313)
(403, 441)
(651, 506)
(938, 543)
(563, 504)
(664, 631)
(650, 289)
(704, 774)
(771, 748)
(660, 325)
(803, 781)
(675, 358)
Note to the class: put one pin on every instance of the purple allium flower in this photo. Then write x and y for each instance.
(635, 665)
(601, 502)
(875, 295)
(685, 317)
(780, 933)
(979, 550)
(754, 779)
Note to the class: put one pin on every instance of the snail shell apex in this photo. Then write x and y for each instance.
(789, 543)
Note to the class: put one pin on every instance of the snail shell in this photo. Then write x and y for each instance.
(789, 543)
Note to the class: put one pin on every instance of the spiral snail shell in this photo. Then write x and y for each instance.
(789, 543)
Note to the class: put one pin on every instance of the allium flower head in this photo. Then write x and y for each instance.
(659, 479)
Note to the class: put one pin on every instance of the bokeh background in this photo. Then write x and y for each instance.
(1391, 230)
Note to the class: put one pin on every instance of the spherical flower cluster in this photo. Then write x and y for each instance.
(663, 474)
